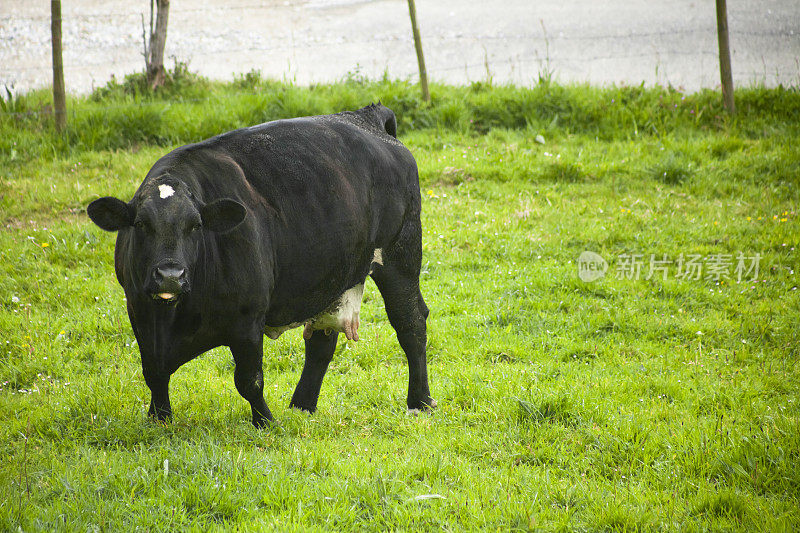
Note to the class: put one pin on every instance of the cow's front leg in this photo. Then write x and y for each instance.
(319, 352)
(249, 377)
(158, 382)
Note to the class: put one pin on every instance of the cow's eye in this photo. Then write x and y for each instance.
(139, 224)
(197, 226)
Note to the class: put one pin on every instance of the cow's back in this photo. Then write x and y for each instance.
(325, 191)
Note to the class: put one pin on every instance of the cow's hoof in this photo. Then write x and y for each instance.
(303, 408)
(162, 421)
(160, 415)
(422, 407)
(263, 422)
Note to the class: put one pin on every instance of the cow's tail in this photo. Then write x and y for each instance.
(386, 118)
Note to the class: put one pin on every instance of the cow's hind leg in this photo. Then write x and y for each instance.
(319, 352)
(398, 281)
(249, 377)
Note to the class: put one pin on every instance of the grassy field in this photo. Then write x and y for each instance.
(645, 400)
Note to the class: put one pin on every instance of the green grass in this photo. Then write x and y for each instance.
(621, 404)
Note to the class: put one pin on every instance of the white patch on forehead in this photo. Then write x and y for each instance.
(165, 191)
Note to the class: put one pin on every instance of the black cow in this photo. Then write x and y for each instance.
(264, 229)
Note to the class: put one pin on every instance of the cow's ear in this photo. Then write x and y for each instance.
(222, 215)
(110, 213)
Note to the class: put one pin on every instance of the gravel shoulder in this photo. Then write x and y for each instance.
(468, 40)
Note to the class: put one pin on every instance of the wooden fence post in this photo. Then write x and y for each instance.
(423, 74)
(154, 49)
(59, 96)
(725, 57)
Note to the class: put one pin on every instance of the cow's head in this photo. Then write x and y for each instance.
(167, 223)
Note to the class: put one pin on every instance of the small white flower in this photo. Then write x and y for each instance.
(15, 299)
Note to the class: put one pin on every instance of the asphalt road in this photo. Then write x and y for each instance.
(620, 41)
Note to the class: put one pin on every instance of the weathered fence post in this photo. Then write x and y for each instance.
(154, 47)
(59, 96)
(725, 57)
(423, 74)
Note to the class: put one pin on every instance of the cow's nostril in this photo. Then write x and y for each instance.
(170, 273)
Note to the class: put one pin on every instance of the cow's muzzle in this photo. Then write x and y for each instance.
(169, 282)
